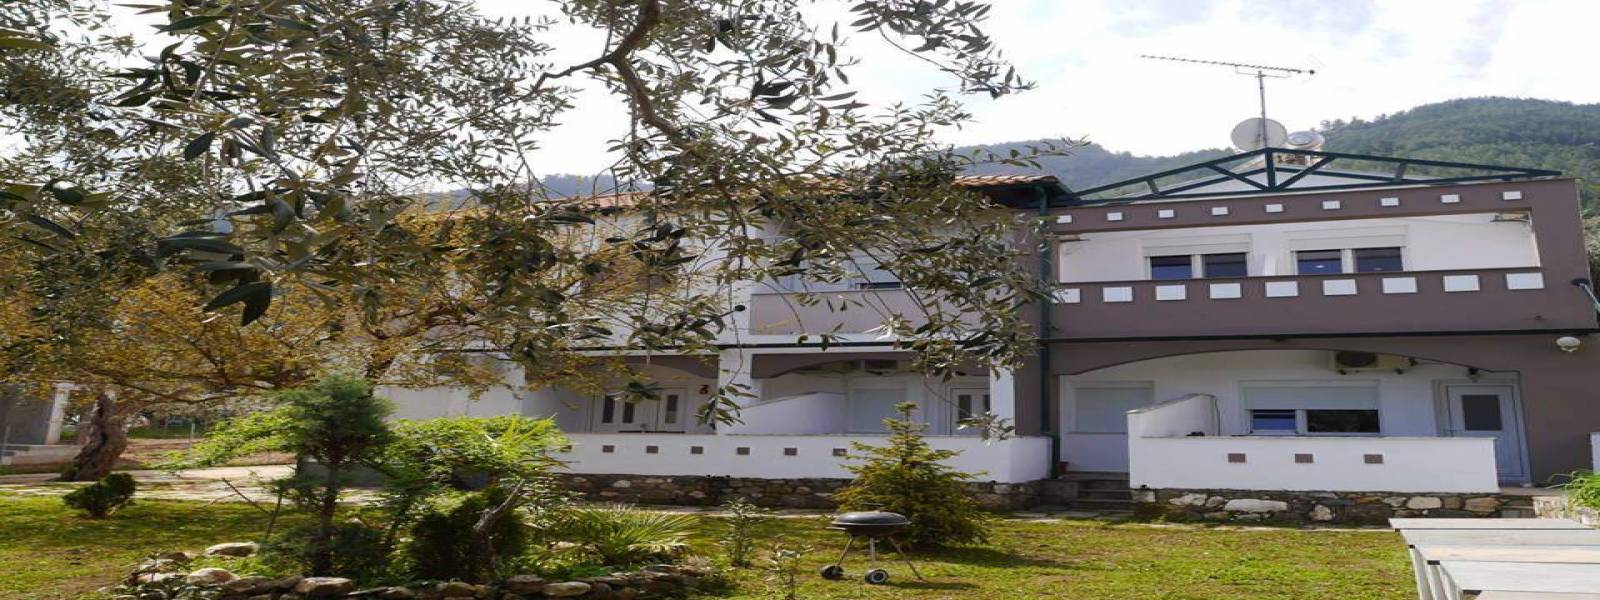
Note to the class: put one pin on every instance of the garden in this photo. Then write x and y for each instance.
(468, 508)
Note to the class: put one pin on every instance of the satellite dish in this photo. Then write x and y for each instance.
(1248, 134)
(1306, 140)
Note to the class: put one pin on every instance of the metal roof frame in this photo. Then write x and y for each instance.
(1282, 177)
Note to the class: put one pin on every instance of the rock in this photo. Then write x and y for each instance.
(622, 484)
(178, 556)
(323, 587)
(237, 549)
(260, 597)
(252, 585)
(208, 577)
(457, 589)
(287, 583)
(156, 578)
(1395, 501)
(157, 564)
(600, 591)
(1321, 513)
(1251, 505)
(626, 593)
(524, 584)
(1145, 496)
(1452, 502)
(1216, 502)
(1189, 500)
(1482, 505)
(1423, 503)
(396, 593)
(566, 589)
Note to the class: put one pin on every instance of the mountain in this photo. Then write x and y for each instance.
(1515, 132)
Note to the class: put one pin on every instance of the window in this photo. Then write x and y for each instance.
(1274, 421)
(1319, 262)
(1481, 412)
(1232, 264)
(1342, 421)
(969, 405)
(1104, 408)
(1378, 260)
(1166, 268)
(670, 407)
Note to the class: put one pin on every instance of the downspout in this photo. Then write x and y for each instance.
(1046, 277)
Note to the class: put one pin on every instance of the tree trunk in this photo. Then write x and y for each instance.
(105, 437)
(322, 558)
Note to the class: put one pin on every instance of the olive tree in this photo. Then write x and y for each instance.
(317, 128)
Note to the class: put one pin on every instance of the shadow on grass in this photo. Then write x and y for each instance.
(980, 556)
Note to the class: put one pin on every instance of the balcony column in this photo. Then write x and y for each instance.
(733, 373)
(1003, 394)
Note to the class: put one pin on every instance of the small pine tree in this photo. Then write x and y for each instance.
(101, 498)
(906, 477)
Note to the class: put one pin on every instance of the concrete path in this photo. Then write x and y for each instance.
(204, 485)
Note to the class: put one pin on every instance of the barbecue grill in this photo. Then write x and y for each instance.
(874, 526)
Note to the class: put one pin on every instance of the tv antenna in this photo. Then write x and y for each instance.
(1260, 72)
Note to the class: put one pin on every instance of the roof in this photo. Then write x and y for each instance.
(980, 183)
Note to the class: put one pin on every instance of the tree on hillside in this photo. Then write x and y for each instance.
(315, 123)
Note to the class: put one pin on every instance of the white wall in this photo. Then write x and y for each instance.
(1431, 244)
(1014, 460)
(820, 412)
(432, 403)
(1461, 465)
(1594, 449)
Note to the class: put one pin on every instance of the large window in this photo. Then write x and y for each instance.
(1378, 260)
(1319, 262)
(1210, 266)
(1312, 410)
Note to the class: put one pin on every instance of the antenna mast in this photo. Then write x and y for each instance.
(1260, 72)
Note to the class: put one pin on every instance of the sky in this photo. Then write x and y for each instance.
(1371, 57)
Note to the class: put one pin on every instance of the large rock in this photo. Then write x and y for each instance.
(566, 589)
(457, 589)
(524, 584)
(1321, 513)
(237, 549)
(324, 587)
(1252, 505)
(1423, 503)
(209, 577)
(1482, 504)
(1189, 500)
(249, 586)
(156, 578)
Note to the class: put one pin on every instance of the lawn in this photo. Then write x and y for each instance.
(46, 553)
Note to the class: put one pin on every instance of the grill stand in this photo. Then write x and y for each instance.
(874, 575)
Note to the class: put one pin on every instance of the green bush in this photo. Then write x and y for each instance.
(1584, 489)
(740, 537)
(443, 546)
(101, 498)
(623, 536)
(351, 550)
(906, 477)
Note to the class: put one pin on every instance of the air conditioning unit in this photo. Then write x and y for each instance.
(1354, 362)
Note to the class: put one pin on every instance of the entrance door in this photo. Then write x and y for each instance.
(969, 402)
(668, 413)
(1489, 411)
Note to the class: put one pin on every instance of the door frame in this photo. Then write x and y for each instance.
(953, 414)
(1442, 416)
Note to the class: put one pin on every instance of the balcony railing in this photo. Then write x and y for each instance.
(1431, 301)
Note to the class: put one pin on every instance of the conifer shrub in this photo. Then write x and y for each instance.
(907, 476)
(101, 498)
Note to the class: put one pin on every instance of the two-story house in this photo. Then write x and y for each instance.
(1281, 332)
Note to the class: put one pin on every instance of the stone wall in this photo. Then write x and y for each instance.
(1558, 507)
(1360, 508)
(774, 493)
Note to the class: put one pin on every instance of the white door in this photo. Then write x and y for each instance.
(668, 413)
(969, 402)
(672, 411)
(1489, 411)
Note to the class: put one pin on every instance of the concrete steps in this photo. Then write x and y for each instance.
(1101, 492)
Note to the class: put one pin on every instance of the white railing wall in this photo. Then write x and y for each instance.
(1014, 460)
(817, 412)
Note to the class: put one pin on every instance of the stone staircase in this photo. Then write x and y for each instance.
(1105, 493)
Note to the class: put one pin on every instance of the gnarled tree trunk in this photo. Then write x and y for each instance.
(105, 437)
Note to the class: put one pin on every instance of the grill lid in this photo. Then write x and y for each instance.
(874, 517)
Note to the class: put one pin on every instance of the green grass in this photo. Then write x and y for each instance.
(47, 553)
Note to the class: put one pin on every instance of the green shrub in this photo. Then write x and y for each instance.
(101, 498)
(443, 545)
(906, 477)
(740, 537)
(351, 550)
(1584, 489)
(623, 536)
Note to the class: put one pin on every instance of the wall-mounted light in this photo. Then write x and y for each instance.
(1569, 344)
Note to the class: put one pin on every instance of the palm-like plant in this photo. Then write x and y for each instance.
(621, 535)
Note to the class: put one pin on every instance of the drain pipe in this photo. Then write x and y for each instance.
(1588, 290)
(1046, 277)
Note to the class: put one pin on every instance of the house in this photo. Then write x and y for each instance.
(1280, 333)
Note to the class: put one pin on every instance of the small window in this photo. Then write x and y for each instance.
(1481, 412)
(608, 410)
(1319, 262)
(1166, 268)
(670, 410)
(1378, 260)
(1273, 421)
(1341, 421)
(1233, 264)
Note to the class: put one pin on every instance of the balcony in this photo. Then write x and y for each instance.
(1472, 300)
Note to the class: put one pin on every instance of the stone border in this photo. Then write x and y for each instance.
(688, 490)
(1355, 508)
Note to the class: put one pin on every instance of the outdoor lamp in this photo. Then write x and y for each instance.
(1569, 344)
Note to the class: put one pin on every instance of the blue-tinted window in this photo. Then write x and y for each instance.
(1171, 267)
(1319, 262)
(1273, 421)
(1378, 260)
(1233, 264)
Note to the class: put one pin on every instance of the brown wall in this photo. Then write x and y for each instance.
(1560, 391)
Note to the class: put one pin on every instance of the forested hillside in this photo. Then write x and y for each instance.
(1500, 131)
